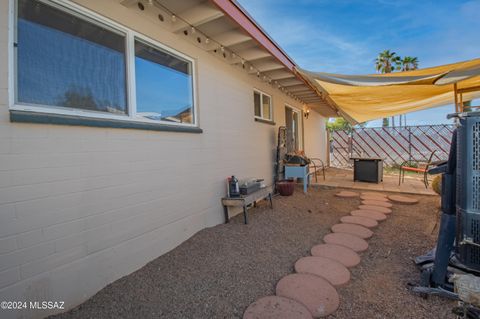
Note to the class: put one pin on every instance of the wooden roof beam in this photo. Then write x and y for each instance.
(253, 54)
(269, 66)
(228, 39)
(299, 88)
(290, 82)
(196, 16)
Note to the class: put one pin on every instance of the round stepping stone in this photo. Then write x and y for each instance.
(374, 194)
(359, 220)
(376, 203)
(333, 271)
(383, 210)
(314, 292)
(403, 199)
(370, 197)
(350, 241)
(353, 229)
(342, 254)
(275, 307)
(346, 194)
(369, 214)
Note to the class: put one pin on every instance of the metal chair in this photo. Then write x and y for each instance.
(297, 165)
(317, 163)
(420, 167)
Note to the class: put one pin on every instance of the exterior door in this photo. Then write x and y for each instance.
(292, 120)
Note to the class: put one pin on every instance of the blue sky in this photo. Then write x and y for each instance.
(345, 36)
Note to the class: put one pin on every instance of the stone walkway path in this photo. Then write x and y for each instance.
(311, 291)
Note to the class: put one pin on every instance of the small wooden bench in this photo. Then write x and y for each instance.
(245, 200)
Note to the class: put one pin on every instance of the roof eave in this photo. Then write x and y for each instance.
(246, 22)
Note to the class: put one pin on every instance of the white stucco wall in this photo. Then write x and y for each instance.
(81, 207)
(315, 136)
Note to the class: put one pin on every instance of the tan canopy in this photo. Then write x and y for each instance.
(361, 98)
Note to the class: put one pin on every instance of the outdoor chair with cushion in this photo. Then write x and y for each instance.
(417, 166)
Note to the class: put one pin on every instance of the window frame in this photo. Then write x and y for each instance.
(261, 117)
(130, 86)
(300, 128)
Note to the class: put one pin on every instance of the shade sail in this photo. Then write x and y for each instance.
(361, 98)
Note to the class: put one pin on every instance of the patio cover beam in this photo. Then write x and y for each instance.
(196, 16)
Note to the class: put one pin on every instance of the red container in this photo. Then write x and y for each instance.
(286, 187)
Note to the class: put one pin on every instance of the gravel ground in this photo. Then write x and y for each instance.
(219, 271)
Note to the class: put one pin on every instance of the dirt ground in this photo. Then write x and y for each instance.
(219, 271)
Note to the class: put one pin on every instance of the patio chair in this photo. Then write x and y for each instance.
(317, 163)
(417, 166)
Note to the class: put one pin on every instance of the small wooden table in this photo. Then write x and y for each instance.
(245, 200)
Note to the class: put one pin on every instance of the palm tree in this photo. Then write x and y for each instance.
(387, 62)
(409, 63)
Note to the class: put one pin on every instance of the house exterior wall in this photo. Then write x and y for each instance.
(82, 206)
(315, 136)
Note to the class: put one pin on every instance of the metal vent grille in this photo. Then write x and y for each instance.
(476, 166)
(474, 251)
(476, 146)
(476, 192)
(475, 230)
(474, 255)
(460, 187)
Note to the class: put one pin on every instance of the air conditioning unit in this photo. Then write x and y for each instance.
(468, 191)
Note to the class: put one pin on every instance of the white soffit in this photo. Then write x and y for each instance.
(208, 27)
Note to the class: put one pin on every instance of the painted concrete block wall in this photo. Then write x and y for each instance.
(81, 207)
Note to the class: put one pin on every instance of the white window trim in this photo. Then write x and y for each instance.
(294, 109)
(261, 117)
(130, 35)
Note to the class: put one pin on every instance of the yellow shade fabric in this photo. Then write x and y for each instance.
(361, 98)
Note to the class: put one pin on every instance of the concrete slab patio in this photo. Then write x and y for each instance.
(335, 177)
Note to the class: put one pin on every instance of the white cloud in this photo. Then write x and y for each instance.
(312, 44)
(435, 34)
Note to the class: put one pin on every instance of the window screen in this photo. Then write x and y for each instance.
(266, 107)
(164, 85)
(68, 61)
(256, 100)
(263, 105)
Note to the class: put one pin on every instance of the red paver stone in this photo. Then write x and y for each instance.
(333, 271)
(342, 254)
(374, 194)
(314, 292)
(275, 307)
(403, 199)
(347, 194)
(369, 214)
(377, 198)
(383, 210)
(353, 242)
(353, 229)
(359, 220)
(376, 203)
